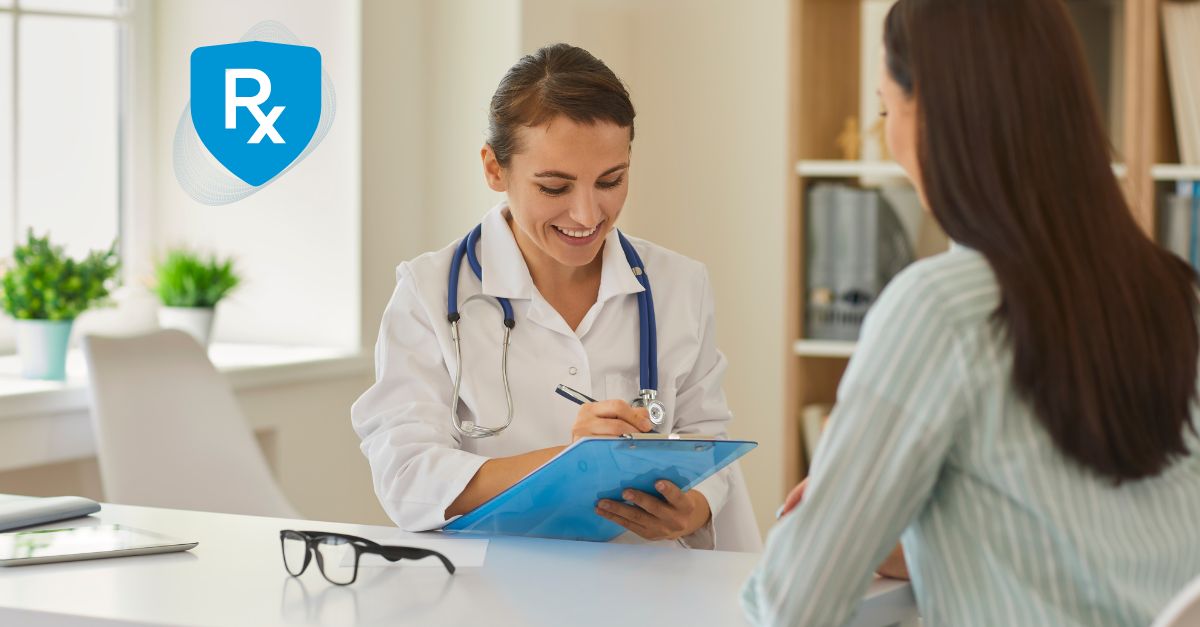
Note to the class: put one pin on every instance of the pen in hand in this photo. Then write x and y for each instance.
(573, 395)
(579, 398)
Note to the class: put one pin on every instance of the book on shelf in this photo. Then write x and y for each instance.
(1181, 39)
(1180, 223)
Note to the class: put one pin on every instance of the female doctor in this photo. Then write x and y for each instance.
(448, 425)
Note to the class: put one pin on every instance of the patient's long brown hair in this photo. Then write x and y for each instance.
(1015, 164)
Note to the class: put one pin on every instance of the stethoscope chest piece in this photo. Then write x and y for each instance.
(647, 399)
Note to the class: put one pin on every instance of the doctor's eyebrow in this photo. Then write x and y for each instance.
(555, 174)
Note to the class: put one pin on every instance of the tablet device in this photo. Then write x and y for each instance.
(42, 546)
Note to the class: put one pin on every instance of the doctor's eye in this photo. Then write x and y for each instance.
(553, 191)
(610, 184)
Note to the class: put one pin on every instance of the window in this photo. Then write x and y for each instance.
(63, 102)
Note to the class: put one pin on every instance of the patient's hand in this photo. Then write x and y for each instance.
(893, 565)
(793, 498)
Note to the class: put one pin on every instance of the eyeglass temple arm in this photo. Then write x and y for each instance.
(394, 553)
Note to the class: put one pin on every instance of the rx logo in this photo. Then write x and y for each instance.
(255, 105)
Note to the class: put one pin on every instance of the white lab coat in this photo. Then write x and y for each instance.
(420, 464)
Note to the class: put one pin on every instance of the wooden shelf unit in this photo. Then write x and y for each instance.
(825, 89)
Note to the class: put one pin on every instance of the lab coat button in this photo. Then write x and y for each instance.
(572, 371)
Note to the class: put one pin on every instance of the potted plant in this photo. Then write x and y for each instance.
(44, 291)
(189, 287)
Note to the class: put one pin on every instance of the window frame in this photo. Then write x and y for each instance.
(133, 131)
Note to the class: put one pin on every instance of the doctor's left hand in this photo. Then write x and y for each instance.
(654, 518)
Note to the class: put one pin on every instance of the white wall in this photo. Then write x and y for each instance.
(710, 174)
(297, 240)
(394, 163)
(469, 46)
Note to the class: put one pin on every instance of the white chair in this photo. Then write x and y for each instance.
(1183, 610)
(169, 432)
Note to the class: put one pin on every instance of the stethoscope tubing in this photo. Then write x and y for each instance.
(647, 333)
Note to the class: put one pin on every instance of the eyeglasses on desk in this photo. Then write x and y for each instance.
(338, 554)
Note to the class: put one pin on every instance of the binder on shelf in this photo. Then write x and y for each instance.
(856, 243)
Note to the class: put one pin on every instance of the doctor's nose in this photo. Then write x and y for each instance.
(586, 210)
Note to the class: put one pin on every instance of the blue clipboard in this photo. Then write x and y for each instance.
(558, 499)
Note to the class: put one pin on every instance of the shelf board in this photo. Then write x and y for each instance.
(824, 348)
(856, 169)
(1174, 172)
(849, 169)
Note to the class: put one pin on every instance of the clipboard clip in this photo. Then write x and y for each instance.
(703, 442)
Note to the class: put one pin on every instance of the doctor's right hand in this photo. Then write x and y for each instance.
(610, 418)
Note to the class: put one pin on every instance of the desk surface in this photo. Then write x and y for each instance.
(236, 577)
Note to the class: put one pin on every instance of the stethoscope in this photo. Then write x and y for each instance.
(648, 337)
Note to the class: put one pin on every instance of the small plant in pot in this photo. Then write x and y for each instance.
(189, 286)
(45, 290)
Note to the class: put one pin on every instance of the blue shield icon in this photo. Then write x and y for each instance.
(255, 105)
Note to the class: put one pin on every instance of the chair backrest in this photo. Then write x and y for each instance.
(736, 527)
(1183, 610)
(169, 432)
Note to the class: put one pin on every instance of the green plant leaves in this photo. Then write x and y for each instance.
(45, 284)
(185, 279)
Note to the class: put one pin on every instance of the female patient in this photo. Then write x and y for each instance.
(1020, 410)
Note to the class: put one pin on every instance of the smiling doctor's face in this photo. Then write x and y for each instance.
(565, 186)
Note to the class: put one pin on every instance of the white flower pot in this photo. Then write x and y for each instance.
(42, 346)
(195, 321)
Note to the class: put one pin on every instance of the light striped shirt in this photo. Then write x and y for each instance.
(930, 440)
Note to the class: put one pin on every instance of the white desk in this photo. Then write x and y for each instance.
(236, 577)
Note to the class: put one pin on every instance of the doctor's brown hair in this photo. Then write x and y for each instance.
(555, 80)
(1015, 164)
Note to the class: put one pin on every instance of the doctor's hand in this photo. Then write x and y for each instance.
(609, 418)
(654, 518)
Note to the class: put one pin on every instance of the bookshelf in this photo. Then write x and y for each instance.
(827, 84)
(1174, 172)
(823, 348)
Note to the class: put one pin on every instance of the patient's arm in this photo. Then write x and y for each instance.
(892, 566)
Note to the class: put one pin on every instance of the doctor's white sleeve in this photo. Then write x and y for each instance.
(700, 408)
(403, 420)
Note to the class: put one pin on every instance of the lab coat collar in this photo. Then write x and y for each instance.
(506, 275)
(616, 277)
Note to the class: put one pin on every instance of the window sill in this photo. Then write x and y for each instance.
(245, 365)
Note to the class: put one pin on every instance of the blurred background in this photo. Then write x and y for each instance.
(758, 152)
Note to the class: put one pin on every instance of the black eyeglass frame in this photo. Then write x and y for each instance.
(361, 545)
